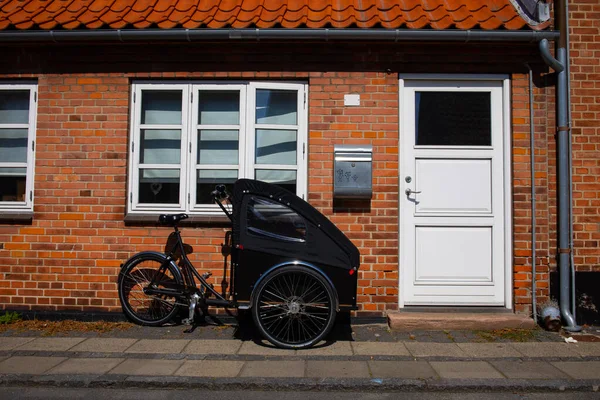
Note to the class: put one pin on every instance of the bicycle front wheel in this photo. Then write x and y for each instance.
(145, 272)
(294, 307)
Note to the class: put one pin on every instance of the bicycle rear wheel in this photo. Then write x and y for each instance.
(137, 275)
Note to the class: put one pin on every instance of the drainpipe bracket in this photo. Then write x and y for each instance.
(563, 129)
(564, 251)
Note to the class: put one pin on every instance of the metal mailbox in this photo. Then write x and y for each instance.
(352, 172)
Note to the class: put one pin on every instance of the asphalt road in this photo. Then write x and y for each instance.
(35, 393)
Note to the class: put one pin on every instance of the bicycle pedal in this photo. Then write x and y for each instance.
(187, 321)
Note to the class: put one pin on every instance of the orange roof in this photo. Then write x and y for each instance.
(166, 14)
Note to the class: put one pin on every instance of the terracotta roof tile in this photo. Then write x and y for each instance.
(167, 14)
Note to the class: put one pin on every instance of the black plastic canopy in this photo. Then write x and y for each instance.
(323, 244)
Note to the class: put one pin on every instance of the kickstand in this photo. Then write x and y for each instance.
(195, 322)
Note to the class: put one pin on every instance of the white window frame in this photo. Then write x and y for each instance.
(242, 140)
(27, 204)
(246, 166)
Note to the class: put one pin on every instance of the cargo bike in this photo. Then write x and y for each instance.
(288, 264)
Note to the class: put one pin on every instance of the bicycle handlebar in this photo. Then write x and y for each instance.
(219, 193)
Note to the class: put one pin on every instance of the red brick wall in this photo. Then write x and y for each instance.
(522, 189)
(371, 225)
(585, 99)
(68, 258)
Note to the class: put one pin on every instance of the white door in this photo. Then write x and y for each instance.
(452, 196)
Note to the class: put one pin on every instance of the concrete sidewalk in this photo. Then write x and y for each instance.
(340, 365)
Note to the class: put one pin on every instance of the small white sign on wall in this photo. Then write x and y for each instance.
(352, 99)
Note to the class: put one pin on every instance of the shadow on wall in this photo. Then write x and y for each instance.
(266, 56)
(587, 296)
(352, 206)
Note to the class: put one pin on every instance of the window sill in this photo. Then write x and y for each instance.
(16, 216)
(145, 218)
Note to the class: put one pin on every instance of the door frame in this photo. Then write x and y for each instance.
(507, 168)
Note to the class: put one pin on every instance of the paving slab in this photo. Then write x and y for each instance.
(158, 346)
(379, 349)
(586, 349)
(541, 350)
(29, 364)
(136, 366)
(435, 350)
(50, 344)
(86, 366)
(337, 369)
(488, 350)
(465, 370)
(402, 369)
(339, 348)
(104, 345)
(212, 346)
(528, 370)
(580, 369)
(274, 369)
(263, 348)
(210, 368)
(9, 343)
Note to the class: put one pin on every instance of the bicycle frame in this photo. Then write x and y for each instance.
(189, 273)
(192, 293)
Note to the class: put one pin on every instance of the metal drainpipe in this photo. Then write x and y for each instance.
(533, 208)
(563, 138)
(568, 71)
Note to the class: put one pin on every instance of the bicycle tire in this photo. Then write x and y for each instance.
(294, 307)
(136, 274)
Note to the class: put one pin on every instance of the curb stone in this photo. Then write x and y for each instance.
(303, 384)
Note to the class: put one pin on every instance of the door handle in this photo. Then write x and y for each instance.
(408, 192)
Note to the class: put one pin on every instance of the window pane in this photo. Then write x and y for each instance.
(161, 107)
(218, 146)
(13, 145)
(275, 147)
(218, 107)
(209, 178)
(276, 107)
(160, 146)
(285, 179)
(14, 106)
(453, 119)
(159, 186)
(274, 220)
(12, 184)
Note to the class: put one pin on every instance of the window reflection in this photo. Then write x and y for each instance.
(274, 220)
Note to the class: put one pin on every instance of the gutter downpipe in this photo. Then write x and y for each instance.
(562, 148)
(568, 71)
(533, 199)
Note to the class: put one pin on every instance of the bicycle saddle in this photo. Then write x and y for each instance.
(171, 219)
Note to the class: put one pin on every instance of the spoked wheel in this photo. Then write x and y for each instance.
(294, 307)
(142, 307)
